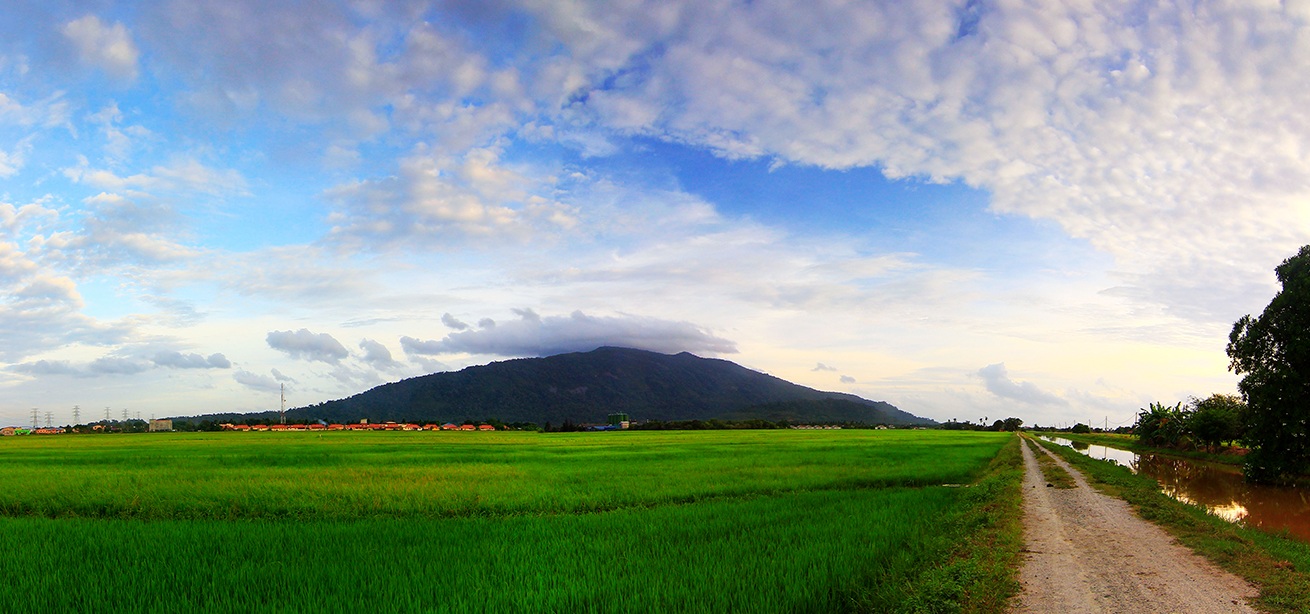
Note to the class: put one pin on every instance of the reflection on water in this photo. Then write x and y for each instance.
(1219, 488)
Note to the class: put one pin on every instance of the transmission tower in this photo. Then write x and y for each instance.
(107, 418)
(49, 415)
(34, 420)
(282, 390)
(77, 415)
(124, 414)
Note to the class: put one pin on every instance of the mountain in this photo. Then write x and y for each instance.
(584, 387)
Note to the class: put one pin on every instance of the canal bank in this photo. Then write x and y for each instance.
(1086, 551)
(1278, 565)
(1218, 487)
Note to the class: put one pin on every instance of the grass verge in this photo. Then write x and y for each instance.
(1278, 565)
(981, 573)
(1055, 475)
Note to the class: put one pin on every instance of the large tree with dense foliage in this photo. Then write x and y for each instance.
(1216, 420)
(1272, 354)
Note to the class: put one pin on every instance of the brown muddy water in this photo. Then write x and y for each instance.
(1219, 488)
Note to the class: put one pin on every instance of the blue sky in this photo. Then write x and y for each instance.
(1046, 210)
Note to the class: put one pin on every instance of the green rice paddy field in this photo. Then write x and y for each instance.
(758, 521)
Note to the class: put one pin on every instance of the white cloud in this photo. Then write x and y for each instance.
(124, 361)
(104, 366)
(306, 345)
(178, 360)
(1168, 139)
(47, 367)
(13, 160)
(108, 47)
(256, 381)
(533, 335)
(43, 313)
(377, 355)
(453, 322)
(436, 198)
(117, 230)
(305, 274)
(184, 176)
(998, 382)
(419, 347)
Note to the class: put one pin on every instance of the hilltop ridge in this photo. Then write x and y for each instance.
(585, 387)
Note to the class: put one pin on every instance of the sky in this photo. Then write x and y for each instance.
(970, 209)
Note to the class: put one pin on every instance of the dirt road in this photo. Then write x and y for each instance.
(1088, 552)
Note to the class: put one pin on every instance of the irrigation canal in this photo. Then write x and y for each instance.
(1219, 488)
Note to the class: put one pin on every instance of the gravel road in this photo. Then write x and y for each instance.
(1088, 552)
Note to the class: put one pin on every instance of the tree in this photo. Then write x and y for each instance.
(1272, 354)
(1216, 419)
(1161, 425)
(1080, 428)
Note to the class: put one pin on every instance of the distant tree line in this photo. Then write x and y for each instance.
(1008, 424)
(131, 425)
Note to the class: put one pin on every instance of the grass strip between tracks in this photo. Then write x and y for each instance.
(1054, 474)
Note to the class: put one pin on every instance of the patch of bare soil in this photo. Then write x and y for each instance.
(1088, 552)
